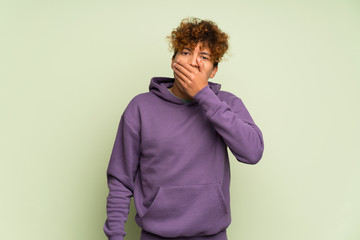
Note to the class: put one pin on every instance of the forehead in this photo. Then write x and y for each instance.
(199, 46)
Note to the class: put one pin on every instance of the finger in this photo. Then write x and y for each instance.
(187, 66)
(183, 70)
(182, 77)
(180, 83)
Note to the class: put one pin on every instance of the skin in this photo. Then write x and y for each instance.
(192, 70)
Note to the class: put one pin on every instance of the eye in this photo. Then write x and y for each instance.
(185, 53)
(205, 58)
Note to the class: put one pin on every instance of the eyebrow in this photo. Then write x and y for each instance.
(204, 53)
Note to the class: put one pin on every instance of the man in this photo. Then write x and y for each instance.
(170, 151)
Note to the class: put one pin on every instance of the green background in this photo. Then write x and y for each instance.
(69, 68)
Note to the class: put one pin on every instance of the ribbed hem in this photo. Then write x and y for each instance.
(116, 237)
(149, 236)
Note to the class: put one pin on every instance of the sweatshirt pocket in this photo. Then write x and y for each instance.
(184, 211)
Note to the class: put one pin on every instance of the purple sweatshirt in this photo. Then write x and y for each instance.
(172, 158)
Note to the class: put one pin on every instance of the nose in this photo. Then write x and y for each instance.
(193, 62)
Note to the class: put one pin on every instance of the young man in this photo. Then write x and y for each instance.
(170, 151)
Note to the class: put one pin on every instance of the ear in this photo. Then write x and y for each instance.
(173, 58)
(172, 62)
(214, 71)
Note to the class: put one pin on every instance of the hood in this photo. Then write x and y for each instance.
(159, 86)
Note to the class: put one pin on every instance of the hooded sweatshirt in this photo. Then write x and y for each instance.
(172, 157)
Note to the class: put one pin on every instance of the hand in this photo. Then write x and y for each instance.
(191, 79)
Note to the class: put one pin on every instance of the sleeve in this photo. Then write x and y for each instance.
(233, 122)
(121, 173)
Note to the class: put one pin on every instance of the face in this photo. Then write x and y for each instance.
(190, 55)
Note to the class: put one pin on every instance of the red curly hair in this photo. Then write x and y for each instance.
(193, 31)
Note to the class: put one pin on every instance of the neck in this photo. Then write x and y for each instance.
(180, 94)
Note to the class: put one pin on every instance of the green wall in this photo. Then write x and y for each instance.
(69, 68)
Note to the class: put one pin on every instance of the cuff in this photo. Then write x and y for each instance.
(116, 237)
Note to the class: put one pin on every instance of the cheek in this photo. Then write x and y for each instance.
(209, 68)
(180, 57)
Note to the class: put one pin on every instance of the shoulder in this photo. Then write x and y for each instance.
(136, 103)
(132, 112)
(235, 102)
(141, 98)
(228, 97)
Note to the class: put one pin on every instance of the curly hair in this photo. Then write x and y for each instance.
(193, 31)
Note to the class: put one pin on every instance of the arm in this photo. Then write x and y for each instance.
(121, 172)
(233, 122)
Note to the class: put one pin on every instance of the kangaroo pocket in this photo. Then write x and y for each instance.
(183, 211)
